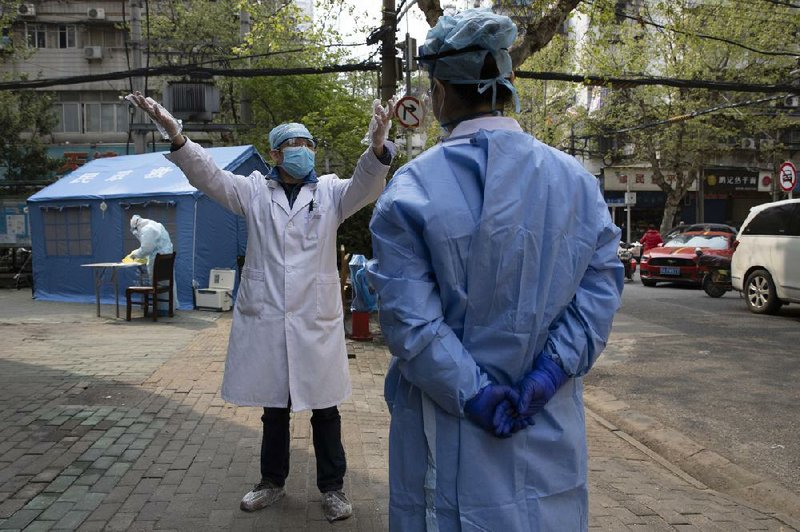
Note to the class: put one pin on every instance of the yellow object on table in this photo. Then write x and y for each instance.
(131, 260)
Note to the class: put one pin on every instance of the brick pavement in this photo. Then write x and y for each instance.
(108, 425)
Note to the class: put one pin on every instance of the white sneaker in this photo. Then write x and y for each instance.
(264, 494)
(335, 506)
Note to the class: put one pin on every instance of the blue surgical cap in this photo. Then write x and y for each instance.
(284, 132)
(455, 49)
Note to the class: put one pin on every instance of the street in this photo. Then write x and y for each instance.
(710, 369)
(114, 425)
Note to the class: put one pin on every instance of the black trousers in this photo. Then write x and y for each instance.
(326, 425)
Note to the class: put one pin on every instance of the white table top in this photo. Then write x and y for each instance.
(112, 264)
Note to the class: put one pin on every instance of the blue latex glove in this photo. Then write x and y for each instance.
(493, 409)
(538, 386)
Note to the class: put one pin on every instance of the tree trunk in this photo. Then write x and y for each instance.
(671, 207)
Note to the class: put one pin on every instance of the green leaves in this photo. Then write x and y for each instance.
(25, 117)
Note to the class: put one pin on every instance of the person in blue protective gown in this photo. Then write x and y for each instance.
(497, 279)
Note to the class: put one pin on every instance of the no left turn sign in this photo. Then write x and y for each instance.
(787, 176)
(409, 112)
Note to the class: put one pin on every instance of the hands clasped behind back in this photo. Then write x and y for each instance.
(503, 410)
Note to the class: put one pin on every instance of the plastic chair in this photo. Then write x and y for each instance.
(163, 282)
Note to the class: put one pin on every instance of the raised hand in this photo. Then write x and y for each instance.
(169, 127)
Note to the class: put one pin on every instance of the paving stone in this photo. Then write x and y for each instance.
(20, 519)
(72, 520)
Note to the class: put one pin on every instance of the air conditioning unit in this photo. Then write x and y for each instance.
(748, 143)
(26, 10)
(93, 52)
(96, 13)
(192, 101)
(792, 101)
(766, 144)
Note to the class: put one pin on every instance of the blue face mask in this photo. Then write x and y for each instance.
(298, 162)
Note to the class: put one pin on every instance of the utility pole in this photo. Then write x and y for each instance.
(410, 64)
(245, 108)
(388, 52)
(140, 134)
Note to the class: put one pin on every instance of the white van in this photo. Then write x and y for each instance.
(766, 260)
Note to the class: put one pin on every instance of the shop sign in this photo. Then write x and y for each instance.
(730, 179)
(641, 179)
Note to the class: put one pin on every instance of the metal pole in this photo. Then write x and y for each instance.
(388, 51)
(701, 197)
(139, 136)
(628, 208)
(245, 107)
(409, 131)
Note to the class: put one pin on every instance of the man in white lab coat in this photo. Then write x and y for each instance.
(287, 347)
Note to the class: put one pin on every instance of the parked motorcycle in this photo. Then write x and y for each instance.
(628, 253)
(716, 273)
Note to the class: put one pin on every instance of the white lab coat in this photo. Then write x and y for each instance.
(287, 336)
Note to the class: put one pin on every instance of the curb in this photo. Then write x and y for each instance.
(694, 463)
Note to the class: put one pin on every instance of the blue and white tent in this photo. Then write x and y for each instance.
(84, 218)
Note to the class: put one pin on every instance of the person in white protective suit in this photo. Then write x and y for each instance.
(287, 347)
(153, 239)
(497, 278)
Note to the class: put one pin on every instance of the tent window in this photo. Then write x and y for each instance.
(162, 212)
(68, 231)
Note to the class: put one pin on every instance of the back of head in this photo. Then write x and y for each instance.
(469, 51)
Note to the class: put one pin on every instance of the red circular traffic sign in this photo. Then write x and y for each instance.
(409, 112)
(787, 176)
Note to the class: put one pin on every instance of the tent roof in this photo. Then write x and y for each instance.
(147, 174)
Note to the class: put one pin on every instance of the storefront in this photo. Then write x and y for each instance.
(725, 195)
(650, 199)
(729, 192)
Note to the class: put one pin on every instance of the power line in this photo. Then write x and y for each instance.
(195, 71)
(203, 72)
(618, 82)
(779, 3)
(644, 21)
(695, 114)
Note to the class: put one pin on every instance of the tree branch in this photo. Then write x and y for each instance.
(432, 10)
(539, 32)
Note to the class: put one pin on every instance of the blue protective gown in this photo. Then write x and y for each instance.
(490, 249)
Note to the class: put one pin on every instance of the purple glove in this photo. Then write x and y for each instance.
(538, 386)
(493, 409)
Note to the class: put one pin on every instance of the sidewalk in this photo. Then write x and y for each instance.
(109, 425)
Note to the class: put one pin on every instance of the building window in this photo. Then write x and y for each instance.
(68, 231)
(66, 36)
(36, 35)
(69, 117)
(105, 117)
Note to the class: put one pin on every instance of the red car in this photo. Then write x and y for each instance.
(676, 260)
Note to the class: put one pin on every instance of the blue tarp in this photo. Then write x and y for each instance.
(84, 218)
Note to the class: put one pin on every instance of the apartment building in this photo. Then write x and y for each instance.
(74, 39)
